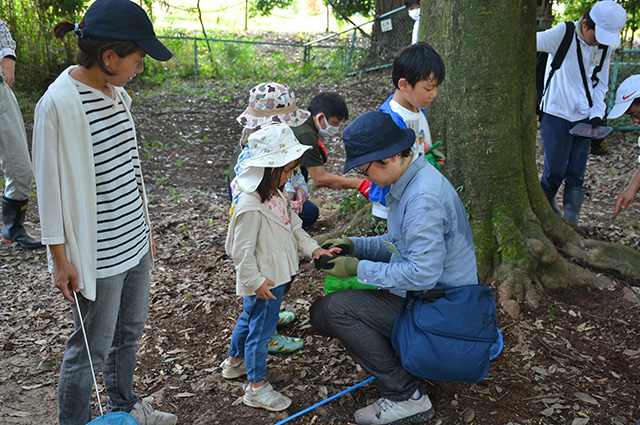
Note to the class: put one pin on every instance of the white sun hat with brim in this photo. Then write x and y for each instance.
(609, 18)
(270, 147)
(628, 91)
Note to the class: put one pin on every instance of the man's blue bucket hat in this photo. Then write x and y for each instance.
(374, 136)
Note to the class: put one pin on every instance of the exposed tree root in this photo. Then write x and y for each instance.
(358, 221)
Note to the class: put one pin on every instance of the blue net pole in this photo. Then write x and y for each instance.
(308, 409)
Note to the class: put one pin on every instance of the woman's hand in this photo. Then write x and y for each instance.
(65, 276)
(153, 246)
(263, 291)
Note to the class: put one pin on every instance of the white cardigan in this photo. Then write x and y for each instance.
(65, 178)
(262, 247)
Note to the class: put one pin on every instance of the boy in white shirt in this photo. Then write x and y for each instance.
(575, 94)
(417, 72)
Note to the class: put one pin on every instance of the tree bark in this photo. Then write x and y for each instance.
(484, 114)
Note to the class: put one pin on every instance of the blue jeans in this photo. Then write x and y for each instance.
(113, 323)
(254, 328)
(363, 321)
(565, 156)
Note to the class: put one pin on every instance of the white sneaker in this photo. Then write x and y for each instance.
(146, 415)
(266, 398)
(385, 411)
(232, 371)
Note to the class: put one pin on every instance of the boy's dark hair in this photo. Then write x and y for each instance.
(90, 49)
(409, 3)
(416, 63)
(264, 190)
(636, 101)
(590, 24)
(330, 104)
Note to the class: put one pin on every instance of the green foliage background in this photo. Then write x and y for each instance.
(574, 9)
(40, 55)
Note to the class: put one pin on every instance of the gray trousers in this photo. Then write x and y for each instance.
(14, 153)
(113, 322)
(363, 320)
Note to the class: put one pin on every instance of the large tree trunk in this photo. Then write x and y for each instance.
(484, 114)
(384, 6)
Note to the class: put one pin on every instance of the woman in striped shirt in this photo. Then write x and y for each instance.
(92, 202)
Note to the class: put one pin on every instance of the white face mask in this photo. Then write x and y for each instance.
(329, 131)
(414, 14)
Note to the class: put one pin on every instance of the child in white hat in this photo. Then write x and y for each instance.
(274, 103)
(628, 102)
(264, 239)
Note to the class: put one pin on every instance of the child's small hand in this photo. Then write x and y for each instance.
(440, 157)
(263, 291)
(331, 252)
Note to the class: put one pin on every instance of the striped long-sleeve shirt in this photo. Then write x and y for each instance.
(123, 234)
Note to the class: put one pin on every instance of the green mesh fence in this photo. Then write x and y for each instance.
(624, 63)
(365, 47)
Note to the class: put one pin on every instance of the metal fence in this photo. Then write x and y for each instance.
(369, 46)
(624, 64)
(365, 47)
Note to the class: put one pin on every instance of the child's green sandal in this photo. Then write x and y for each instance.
(284, 344)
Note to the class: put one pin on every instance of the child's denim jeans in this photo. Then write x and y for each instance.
(256, 325)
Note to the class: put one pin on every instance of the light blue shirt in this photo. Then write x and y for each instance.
(429, 240)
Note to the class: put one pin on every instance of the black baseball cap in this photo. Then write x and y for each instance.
(124, 20)
(374, 136)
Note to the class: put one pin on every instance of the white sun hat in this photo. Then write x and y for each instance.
(271, 147)
(609, 18)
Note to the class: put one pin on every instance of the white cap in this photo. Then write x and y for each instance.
(626, 93)
(609, 18)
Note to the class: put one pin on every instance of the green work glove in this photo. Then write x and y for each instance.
(345, 244)
(433, 157)
(342, 266)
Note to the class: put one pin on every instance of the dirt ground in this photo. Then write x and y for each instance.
(574, 360)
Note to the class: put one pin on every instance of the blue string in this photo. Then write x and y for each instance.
(302, 412)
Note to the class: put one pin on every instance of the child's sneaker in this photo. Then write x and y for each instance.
(232, 371)
(265, 398)
(279, 344)
(146, 415)
(286, 317)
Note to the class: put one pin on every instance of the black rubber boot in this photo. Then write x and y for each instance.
(572, 203)
(551, 197)
(13, 213)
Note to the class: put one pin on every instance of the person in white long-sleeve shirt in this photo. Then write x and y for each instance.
(574, 96)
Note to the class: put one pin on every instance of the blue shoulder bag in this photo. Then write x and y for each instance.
(447, 334)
